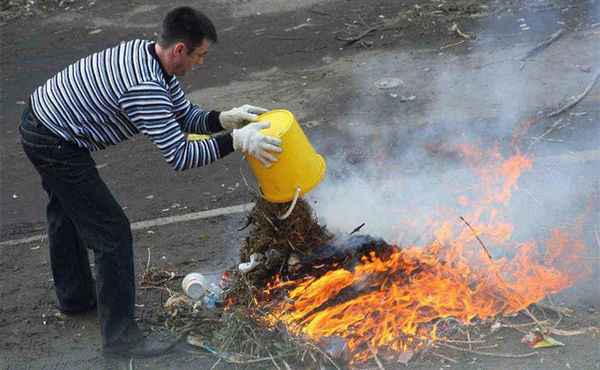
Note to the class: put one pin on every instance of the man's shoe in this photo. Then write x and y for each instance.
(149, 346)
(78, 310)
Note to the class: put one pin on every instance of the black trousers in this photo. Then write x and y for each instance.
(82, 214)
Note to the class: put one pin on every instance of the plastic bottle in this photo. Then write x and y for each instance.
(213, 296)
(194, 285)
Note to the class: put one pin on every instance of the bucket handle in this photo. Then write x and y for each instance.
(289, 211)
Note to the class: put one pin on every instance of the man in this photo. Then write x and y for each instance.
(100, 101)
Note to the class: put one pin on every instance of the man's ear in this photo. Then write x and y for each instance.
(179, 48)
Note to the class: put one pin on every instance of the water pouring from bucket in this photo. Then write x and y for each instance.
(299, 168)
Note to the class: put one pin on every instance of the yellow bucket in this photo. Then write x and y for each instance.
(298, 169)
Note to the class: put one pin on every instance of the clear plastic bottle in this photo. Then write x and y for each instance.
(213, 296)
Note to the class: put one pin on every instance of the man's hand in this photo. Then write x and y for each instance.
(252, 142)
(237, 117)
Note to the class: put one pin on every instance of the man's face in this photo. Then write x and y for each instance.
(185, 62)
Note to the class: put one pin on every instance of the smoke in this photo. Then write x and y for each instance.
(396, 168)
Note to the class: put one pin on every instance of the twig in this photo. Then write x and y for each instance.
(505, 355)
(444, 357)
(269, 220)
(326, 356)
(234, 358)
(578, 99)
(479, 240)
(501, 61)
(532, 197)
(554, 126)
(518, 327)
(548, 140)
(525, 309)
(568, 333)
(379, 364)
(273, 360)
(363, 21)
(357, 229)
(452, 45)
(454, 28)
(469, 339)
(488, 347)
(216, 363)
(352, 40)
(543, 44)
(461, 341)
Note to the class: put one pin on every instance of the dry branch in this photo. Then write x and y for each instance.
(352, 40)
(554, 127)
(505, 355)
(379, 364)
(526, 310)
(578, 99)
(543, 45)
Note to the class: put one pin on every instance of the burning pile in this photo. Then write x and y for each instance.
(392, 303)
(356, 297)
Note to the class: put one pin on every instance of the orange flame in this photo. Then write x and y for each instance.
(393, 303)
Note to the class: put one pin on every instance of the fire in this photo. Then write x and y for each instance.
(392, 303)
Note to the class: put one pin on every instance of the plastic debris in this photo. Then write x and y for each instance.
(537, 339)
(211, 300)
(404, 357)
(213, 297)
(194, 285)
(496, 326)
(335, 347)
(389, 83)
(255, 260)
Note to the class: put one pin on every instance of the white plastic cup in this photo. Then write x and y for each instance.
(194, 285)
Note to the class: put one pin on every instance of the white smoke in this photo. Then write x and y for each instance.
(386, 173)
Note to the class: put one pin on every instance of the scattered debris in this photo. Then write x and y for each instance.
(542, 45)
(452, 45)
(154, 277)
(357, 229)
(352, 40)
(255, 260)
(389, 83)
(537, 339)
(579, 98)
(455, 30)
(335, 347)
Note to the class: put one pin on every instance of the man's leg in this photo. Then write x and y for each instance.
(83, 210)
(75, 288)
(102, 226)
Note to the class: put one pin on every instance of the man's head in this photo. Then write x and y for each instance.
(184, 40)
(187, 25)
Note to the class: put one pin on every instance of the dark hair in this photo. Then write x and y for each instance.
(187, 25)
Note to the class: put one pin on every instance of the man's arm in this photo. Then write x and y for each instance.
(150, 108)
(192, 118)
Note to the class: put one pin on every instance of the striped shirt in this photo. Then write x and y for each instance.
(114, 94)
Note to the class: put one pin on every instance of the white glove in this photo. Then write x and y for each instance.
(237, 117)
(252, 142)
